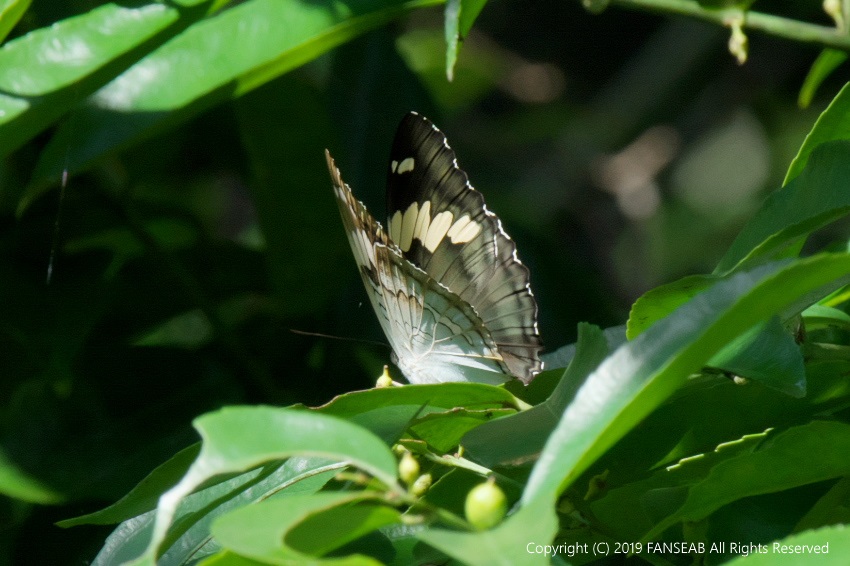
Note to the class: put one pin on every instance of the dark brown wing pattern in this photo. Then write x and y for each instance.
(441, 224)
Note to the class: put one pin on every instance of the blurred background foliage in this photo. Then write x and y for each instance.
(621, 151)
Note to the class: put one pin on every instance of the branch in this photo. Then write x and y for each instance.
(796, 30)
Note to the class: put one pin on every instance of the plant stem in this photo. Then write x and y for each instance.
(773, 25)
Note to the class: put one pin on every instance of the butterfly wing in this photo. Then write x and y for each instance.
(434, 335)
(441, 224)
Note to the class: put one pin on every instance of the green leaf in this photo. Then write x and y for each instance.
(452, 24)
(767, 354)
(824, 65)
(833, 507)
(10, 13)
(837, 537)
(443, 431)
(659, 302)
(520, 436)
(802, 455)
(469, 10)
(18, 485)
(157, 92)
(631, 510)
(818, 196)
(820, 315)
(439, 396)
(833, 124)
(459, 17)
(143, 497)
(225, 558)
(196, 513)
(299, 528)
(46, 72)
(236, 439)
(506, 544)
(640, 375)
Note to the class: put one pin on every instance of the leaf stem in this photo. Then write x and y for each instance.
(778, 26)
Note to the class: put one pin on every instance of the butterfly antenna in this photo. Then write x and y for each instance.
(343, 338)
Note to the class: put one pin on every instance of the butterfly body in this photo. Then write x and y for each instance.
(444, 279)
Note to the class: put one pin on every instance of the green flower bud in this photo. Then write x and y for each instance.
(486, 505)
(421, 485)
(408, 468)
(384, 380)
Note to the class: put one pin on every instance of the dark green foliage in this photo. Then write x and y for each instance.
(156, 289)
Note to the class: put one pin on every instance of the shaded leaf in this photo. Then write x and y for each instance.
(16, 484)
(806, 454)
(824, 65)
(518, 437)
(820, 194)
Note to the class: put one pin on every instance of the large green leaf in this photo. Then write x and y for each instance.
(208, 63)
(48, 71)
(820, 194)
(627, 511)
(504, 545)
(520, 436)
(143, 497)
(800, 549)
(833, 124)
(440, 396)
(299, 528)
(643, 373)
(629, 384)
(810, 453)
(196, 513)
(237, 439)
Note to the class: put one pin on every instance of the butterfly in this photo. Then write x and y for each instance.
(444, 279)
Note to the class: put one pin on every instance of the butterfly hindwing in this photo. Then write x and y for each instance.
(440, 223)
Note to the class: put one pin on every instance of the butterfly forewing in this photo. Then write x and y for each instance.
(441, 224)
(433, 333)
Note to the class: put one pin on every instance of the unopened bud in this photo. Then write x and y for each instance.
(486, 505)
(408, 468)
(421, 485)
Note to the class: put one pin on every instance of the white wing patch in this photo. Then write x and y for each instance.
(408, 223)
(406, 165)
(437, 231)
(417, 224)
(463, 230)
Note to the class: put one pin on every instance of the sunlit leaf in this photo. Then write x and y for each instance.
(10, 12)
(643, 373)
(157, 92)
(236, 439)
(283, 531)
(48, 71)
